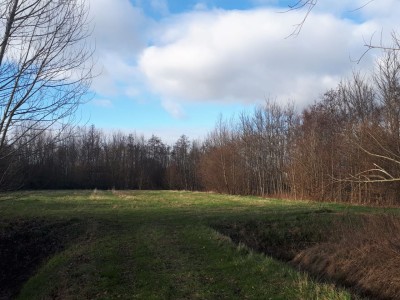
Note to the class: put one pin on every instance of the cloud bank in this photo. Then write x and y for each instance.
(244, 56)
(216, 55)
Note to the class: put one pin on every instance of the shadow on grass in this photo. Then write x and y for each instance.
(26, 243)
(281, 238)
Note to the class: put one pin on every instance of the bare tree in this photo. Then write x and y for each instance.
(45, 66)
(381, 141)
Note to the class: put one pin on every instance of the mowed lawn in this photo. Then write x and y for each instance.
(145, 245)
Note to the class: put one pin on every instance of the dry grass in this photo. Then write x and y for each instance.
(363, 254)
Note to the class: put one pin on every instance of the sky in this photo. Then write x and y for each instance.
(172, 67)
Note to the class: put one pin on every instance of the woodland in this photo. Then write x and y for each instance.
(345, 147)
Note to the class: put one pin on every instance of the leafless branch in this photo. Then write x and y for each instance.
(45, 65)
(362, 6)
(301, 4)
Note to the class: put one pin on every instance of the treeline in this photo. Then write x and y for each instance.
(87, 157)
(345, 147)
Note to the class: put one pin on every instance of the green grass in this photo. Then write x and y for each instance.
(163, 245)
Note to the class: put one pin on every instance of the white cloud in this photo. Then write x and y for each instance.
(161, 6)
(173, 108)
(385, 14)
(117, 76)
(132, 92)
(381, 9)
(106, 103)
(200, 6)
(120, 32)
(220, 55)
(243, 55)
(119, 27)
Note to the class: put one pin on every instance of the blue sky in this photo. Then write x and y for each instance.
(171, 67)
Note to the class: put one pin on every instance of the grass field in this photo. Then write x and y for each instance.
(158, 245)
